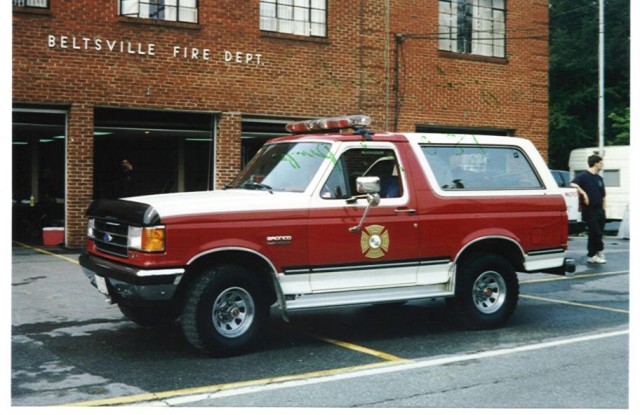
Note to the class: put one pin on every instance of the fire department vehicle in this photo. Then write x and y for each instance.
(334, 215)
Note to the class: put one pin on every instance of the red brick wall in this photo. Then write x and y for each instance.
(227, 148)
(344, 73)
(79, 171)
(442, 88)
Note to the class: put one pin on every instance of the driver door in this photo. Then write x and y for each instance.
(384, 251)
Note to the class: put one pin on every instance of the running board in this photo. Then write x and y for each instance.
(370, 296)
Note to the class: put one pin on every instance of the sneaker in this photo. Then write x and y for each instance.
(600, 255)
(596, 260)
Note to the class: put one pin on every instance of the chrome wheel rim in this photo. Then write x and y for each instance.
(233, 312)
(489, 292)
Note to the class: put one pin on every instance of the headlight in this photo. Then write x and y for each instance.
(90, 226)
(146, 239)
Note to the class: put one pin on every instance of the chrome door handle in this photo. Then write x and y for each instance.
(410, 212)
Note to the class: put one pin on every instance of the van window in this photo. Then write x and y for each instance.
(611, 177)
(460, 168)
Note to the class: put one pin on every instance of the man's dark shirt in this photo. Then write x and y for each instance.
(593, 185)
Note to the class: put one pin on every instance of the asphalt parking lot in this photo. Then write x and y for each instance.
(71, 348)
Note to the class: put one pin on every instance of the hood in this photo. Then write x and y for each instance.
(221, 201)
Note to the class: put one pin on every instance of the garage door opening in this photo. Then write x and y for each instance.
(258, 130)
(38, 172)
(139, 152)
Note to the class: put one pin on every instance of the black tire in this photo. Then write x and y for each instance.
(225, 310)
(152, 316)
(487, 292)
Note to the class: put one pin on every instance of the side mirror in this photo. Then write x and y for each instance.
(370, 186)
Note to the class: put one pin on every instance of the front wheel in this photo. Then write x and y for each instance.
(487, 292)
(225, 310)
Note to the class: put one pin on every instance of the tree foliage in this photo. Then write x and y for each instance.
(621, 124)
(573, 76)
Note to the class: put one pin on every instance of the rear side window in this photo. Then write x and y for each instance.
(460, 168)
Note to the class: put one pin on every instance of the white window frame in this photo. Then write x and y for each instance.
(486, 35)
(167, 10)
(38, 4)
(296, 17)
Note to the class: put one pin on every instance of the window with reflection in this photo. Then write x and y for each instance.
(296, 17)
(170, 10)
(354, 163)
(463, 168)
(474, 27)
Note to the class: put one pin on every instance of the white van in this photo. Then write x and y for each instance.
(615, 174)
(571, 198)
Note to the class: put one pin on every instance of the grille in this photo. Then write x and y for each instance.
(111, 237)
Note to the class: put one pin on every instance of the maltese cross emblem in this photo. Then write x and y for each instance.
(374, 241)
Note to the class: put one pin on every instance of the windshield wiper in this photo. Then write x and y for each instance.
(258, 186)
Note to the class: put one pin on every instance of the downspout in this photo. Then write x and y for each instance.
(386, 65)
(361, 61)
(399, 39)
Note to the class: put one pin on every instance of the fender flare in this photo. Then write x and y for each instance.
(280, 301)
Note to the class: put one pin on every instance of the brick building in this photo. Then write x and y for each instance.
(187, 90)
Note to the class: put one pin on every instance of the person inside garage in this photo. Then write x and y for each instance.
(126, 185)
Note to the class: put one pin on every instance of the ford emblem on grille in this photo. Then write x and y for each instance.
(107, 238)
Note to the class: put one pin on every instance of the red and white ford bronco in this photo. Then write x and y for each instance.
(334, 218)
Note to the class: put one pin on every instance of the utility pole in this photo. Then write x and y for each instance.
(601, 78)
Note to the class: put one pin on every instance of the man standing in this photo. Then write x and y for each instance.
(590, 186)
(126, 180)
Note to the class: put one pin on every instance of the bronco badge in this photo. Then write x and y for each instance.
(374, 241)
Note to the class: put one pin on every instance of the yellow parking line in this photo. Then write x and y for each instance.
(155, 396)
(42, 251)
(163, 395)
(361, 349)
(389, 359)
(565, 278)
(571, 303)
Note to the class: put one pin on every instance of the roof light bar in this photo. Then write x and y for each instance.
(333, 123)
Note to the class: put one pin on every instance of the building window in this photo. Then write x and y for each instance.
(297, 17)
(40, 4)
(474, 27)
(449, 129)
(170, 10)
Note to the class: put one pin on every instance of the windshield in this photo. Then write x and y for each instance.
(287, 167)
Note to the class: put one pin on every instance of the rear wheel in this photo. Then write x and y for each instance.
(226, 309)
(487, 292)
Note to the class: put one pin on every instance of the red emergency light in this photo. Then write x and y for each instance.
(327, 124)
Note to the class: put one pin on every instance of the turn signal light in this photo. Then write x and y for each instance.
(150, 239)
(153, 239)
